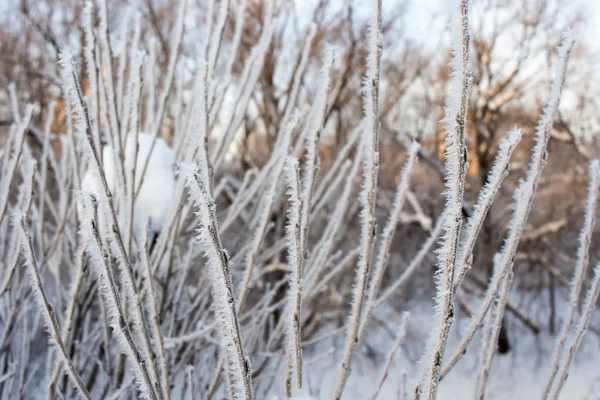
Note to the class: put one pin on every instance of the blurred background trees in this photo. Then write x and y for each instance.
(512, 48)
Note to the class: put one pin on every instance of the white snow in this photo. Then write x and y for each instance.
(519, 374)
(153, 201)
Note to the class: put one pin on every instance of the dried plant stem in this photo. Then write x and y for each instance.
(456, 168)
(9, 168)
(313, 128)
(114, 304)
(44, 172)
(168, 85)
(392, 355)
(583, 254)
(110, 99)
(153, 317)
(299, 70)
(368, 195)
(136, 89)
(248, 81)
(587, 310)
(261, 230)
(89, 51)
(296, 259)
(490, 337)
(414, 264)
(217, 36)
(126, 265)
(333, 188)
(342, 154)
(239, 369)
(324, 281)
(484, 202)
(524, 199)
(215, 103)
(278, 161)
(71, 307)
(388, 235)
(515, 309)
(48, 310)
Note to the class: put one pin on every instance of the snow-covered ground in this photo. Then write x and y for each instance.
(520, 374)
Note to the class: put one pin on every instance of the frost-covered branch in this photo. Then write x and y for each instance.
(388, 235)
(248, 80)
(240, 372)
(47, 309)
(416, 261)
(484, 202)
(295, 259)
(108, 288)
(456, 169)
(313, 139)
(589, 305)
(370, 155)
(579, 272)
(16, 138)
(158, 347)
(490, 337)
(168, 85)
(108, 209)
(524, 194)
(71, 309)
